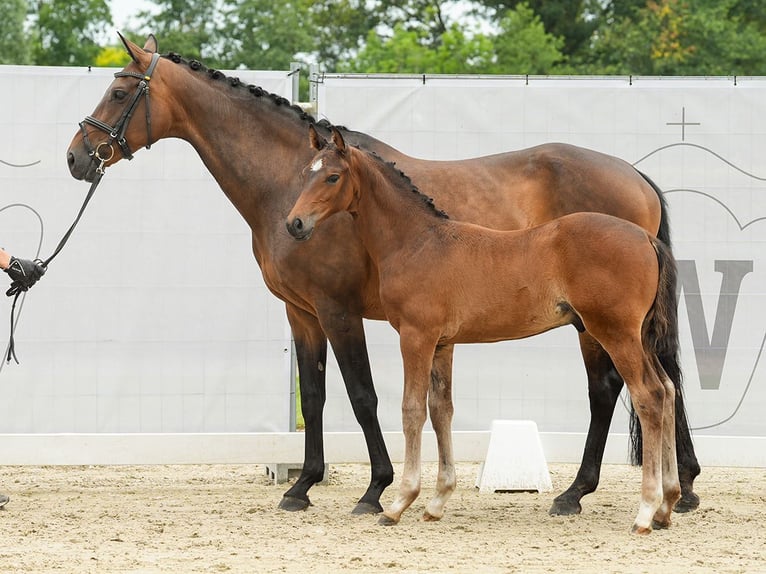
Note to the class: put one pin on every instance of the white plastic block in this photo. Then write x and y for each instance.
(515, 459)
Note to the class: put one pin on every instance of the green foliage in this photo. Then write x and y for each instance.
(266, 34)
(522, 46)
(67, 31)
(640, 37)
(187, 27)
(15, 47)
(680, 37)
(408, 51)
(112, 57)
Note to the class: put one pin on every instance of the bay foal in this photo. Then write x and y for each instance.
(444, 282)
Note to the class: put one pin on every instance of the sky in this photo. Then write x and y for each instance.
(124, 10)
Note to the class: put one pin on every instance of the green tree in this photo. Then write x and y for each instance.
(68, 31)
(522, 46)
(191, 28)
(410, 51)
(268, 34)
(679, 37)
(15, 45)
(340, 28)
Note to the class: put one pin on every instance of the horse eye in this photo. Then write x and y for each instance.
(333, 178)
(119, 95)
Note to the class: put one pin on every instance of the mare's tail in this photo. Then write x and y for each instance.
(664, 342)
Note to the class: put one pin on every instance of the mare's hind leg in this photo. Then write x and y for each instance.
(441, 409)
(604, 386)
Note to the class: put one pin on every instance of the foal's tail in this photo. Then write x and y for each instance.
(660, 332)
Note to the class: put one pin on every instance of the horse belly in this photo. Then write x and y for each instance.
(505, 323)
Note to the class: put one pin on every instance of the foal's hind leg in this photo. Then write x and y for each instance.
(671, 486)
(648, 396)
(441, 409)
(604, 386)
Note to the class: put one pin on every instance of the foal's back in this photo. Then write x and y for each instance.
(482, 285)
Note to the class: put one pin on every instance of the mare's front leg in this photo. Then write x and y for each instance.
(417, 354)
(311, 351)
(604, 386)
(441, 409)
(346, 333)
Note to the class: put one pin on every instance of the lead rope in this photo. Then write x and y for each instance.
(16, 290)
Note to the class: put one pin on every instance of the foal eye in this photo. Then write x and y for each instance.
(332, 178)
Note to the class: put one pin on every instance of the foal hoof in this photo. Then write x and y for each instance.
(292, 504)
(642, 530)
(367, 508)
(660, 525)
(428, 517)
(387, 520)
(689, 501)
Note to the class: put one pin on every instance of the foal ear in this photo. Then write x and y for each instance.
(337, 139)
(317, 141)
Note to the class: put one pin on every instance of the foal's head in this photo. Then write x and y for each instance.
(331, 184)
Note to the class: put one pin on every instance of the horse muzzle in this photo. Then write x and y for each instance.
(299, 229)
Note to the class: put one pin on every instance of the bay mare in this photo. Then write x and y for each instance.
(254, 145)
(444, 282)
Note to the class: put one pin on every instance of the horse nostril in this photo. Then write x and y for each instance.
(297, 224)
(70, 159)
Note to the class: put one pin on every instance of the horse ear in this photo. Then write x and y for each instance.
(132, 48)
(151, 44)
(337, 139)
(317, 141)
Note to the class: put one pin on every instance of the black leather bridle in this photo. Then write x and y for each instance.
(117, 132)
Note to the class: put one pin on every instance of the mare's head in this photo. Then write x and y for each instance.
(331, 184)
(126, 118)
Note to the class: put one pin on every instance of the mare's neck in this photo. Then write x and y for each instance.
(254, 148)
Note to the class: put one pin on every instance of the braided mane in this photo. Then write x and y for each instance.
(403, 181)
(257, 91)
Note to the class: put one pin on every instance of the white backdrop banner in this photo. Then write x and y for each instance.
(154, 318)
(703, 141)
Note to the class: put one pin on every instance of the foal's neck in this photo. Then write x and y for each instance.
(391, 214)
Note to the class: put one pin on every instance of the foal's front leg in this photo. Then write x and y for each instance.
(441, 410)
(417, 354)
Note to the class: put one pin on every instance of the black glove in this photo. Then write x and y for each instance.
(24, 273)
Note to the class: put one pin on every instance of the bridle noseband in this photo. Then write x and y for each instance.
(117, 133)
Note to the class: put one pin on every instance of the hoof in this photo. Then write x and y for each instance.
(292, 504)
(660, 525)
(641, 530)
(367, 508)
(689, 502)
(428, 517)
(564, 507)
(387, 521)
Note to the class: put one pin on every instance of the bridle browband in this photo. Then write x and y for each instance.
(117, 132)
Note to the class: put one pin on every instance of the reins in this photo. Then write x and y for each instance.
(116, 134)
